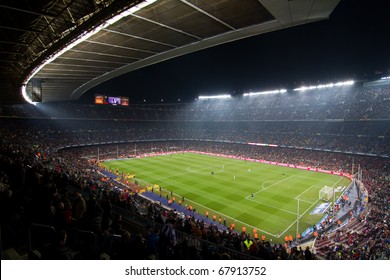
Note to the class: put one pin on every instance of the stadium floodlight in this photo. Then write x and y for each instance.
(84, 36)
(330, 85)
(221, 96)
(265, 92)
(349, 83)
(301, 89)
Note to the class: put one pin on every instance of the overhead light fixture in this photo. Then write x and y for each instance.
(84, 36)
(330, 85)
(221, 96)
(265, 92)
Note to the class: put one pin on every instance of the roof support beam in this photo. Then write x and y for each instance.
(207, 14)
(104, 54)
(19, 29)
(26, 11)
(93, 60)
(138, 37)
(121, 47)
(167, 26)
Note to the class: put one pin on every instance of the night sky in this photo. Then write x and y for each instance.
(354, 43)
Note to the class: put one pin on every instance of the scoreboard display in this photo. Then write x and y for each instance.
(124, 101)
(111, 100)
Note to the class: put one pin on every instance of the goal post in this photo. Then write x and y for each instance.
(326, 193)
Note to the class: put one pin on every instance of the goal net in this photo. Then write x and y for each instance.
(326, 193)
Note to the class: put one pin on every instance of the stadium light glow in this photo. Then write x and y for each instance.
(25, 95)
(330, 85)
(84, 36)
(265, 92)
(221, 96)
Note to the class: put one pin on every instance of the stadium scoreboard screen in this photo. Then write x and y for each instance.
(111, 100)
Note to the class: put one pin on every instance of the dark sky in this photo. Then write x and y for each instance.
(353, 43)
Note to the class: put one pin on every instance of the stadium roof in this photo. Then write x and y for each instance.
(33, 33)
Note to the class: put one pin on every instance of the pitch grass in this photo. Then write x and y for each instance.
(224, 187)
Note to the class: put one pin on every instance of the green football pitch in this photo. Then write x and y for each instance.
(267, 197)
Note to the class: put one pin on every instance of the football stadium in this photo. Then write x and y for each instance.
(295, 173)
(192, 172)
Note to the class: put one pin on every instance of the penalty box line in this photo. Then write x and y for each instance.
(250, 198)
(227, 216)
(270, 186)
(300, 215)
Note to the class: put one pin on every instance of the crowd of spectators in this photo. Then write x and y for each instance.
(354, 137)
(42, 182)
(369, 235)
(349, 120)
(42, 196)
(338, 103)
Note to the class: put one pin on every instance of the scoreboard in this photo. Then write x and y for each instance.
(111, 100)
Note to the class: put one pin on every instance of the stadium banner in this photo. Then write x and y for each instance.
(320, 209)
